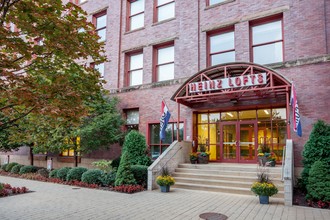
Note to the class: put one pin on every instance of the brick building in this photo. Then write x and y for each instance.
(223, 67)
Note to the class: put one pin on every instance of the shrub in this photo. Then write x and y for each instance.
(62, 173)
(109, 178)
(318, 186)
(135, 145)
(53, 173)
(115, 163)
(103, 165)
(124, 173)
(264, 189)
(3, 166)
(92, 177)
(28, 169)
(140, 173)
(16, 168)
(75, 173)
(10, 166)
(43, 172)
(128, 188)
(316, 148)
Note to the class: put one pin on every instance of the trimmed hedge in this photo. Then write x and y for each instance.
(124, 174)
(140, 173)
(318, 186)
(115, 163)
(75, 173)
(92, 177)
(10, 166)
(3, 166)
(16, 168)
(109, 179)
(28, 169)
(43, 172)
(62, 173)
(53, 173)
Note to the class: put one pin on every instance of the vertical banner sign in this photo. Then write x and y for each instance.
(164, 118)
(295, 112)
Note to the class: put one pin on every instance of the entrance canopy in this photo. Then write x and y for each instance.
(234, 84)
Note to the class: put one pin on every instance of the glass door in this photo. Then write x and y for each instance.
(228, 142)
(247, 142)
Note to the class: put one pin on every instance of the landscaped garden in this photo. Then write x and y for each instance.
(127, 173)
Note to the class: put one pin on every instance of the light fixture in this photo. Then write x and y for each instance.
(230, 114)
(266, 111)
(234, 101)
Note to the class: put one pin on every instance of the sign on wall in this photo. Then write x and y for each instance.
(228, 83)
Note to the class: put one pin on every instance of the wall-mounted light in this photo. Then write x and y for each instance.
(266, 111)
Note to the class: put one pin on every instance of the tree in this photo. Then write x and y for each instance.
(135, 145)
(124, 174)
(45, 47)
(316, 148)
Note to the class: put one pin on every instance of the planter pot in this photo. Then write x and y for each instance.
(203, 160)
(193, 161)
(264, 199)
(272, 163)
(262, 160)
(165, 188)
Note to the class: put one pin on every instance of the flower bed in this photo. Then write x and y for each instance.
(7, 190)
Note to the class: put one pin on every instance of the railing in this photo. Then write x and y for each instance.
(176, 153)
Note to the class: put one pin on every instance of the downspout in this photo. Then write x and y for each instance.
(198, 38)
(119, 43)
(325, 27)
(288, 124)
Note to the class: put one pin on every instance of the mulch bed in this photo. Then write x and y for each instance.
(299, 199)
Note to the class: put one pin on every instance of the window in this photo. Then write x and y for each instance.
(132, 119)
(267, 42)
(164, 68)
(100, 22)
(221, 48)
(158, 147)
(100, 68)
(213, 2)
(136, 14)
(135, 69)
(165, 9)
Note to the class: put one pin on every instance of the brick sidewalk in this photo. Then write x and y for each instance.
(55, 201)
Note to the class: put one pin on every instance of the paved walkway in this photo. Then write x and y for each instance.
(55, 201)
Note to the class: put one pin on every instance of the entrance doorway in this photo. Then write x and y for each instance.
(238, 142)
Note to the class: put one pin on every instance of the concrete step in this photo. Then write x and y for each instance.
(225, 183)
(231, 166)
(228, 172)
(235, 190)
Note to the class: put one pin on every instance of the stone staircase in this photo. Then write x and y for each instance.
(224, 177)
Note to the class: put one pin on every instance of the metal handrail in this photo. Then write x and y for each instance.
(283, 163)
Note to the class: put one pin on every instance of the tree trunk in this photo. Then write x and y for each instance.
(31, 155)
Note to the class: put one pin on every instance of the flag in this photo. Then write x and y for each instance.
(165, 117)
(295, 112)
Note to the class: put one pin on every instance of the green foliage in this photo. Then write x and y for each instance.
(92, 177)
(3, 166)
(10, 166)
(316, 148)
(103, 127)
(124, 173)
(43, 172)
(75, 173)
(135, 145)
(54, 83)
(53, 173)
(103, 165)
(115, 163)
(109, 178)
(63, 172)
(140, 173)
(16, 168)
(318, 187)
(264, 189)
(28, 169)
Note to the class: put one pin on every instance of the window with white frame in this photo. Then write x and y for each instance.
(136, 14)
(267, 42)
(132, 119)
(100, 22)
(213, 2)
(100, 68)
(165, 9)
(221, 48)
(164, 63)
(135, 69)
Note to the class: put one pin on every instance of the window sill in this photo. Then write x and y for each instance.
(218, 4)
(164, 21)
(135, 30)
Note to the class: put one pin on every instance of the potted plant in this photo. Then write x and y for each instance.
(263, 188)
(271, 159)
(193, 157)
(165, 180)
(203, 157)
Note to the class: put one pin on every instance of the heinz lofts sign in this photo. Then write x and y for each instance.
(228, 83)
